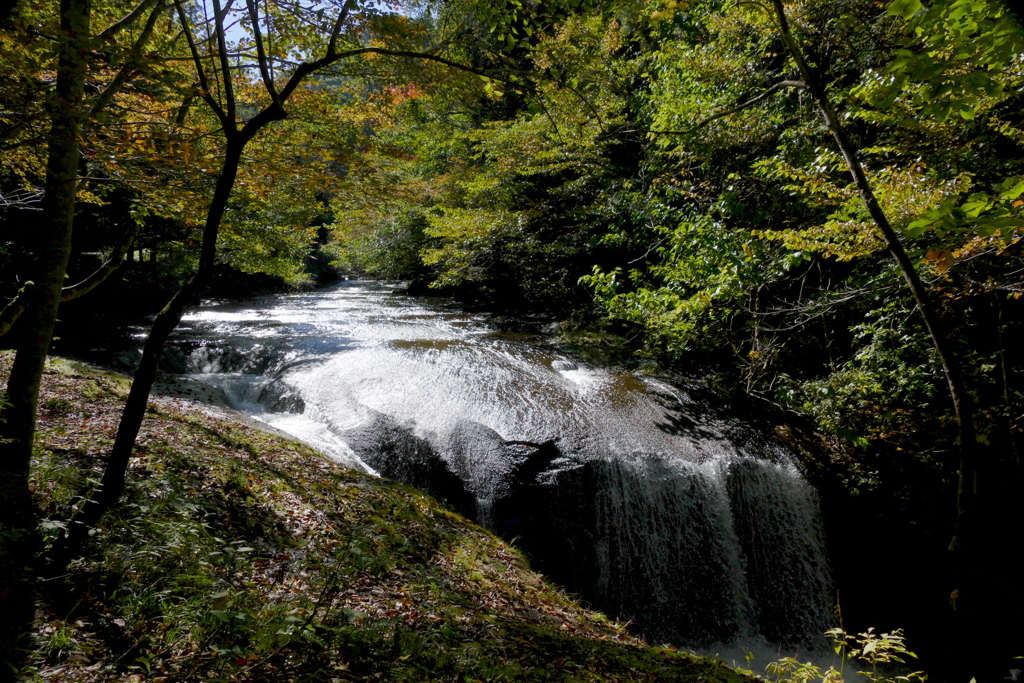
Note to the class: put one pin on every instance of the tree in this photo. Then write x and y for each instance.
(261, 65)
(1003, 41)
(507, 194)
(967, 490)
(67, 111)
(924, 93)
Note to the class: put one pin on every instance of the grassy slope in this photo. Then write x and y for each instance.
(239, 555)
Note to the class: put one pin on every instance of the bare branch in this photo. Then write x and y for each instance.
(738, 108)
(13, 310)
(749, 103)
(108, 268)
(24, 200)
(204, 82)
(225, 65)
(306, 68)
(261, 53)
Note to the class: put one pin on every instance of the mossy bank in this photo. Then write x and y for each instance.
(239, 555)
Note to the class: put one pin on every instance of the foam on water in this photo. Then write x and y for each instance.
(641, 498)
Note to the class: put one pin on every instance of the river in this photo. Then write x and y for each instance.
(633, 493)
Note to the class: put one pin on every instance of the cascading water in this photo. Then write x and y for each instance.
(626, 490)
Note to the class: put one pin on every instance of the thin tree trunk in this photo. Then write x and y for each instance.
(112, 484)
(113, 481)
(964, 541)
(52, 252)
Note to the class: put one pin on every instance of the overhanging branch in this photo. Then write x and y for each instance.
(108, 268)
(225, 65)
(128, 20)
(204, 82)
(15, 307)
(261, 53)
(306, 68)
(115, 85)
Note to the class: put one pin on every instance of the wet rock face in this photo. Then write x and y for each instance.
(278, 397)
(691, 553)
(640, 542)
(778, 531)
(397, 453)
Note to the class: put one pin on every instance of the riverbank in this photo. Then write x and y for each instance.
(239, 555)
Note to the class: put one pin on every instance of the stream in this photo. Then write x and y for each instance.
(640, 497)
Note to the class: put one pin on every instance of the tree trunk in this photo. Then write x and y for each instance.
(112, 484)
(964, 544)
(52, 251)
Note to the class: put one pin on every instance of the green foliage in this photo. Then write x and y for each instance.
(907, 195)
(731, 241)
(889, 384)
(750, 214)
(994, 218)
(512, 194)
(705, 271)
(468, 237)
(792, 670)
(640, 168)
(964, 57)
(387, 247)
(972, 53)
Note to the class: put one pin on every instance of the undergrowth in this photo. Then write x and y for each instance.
(237, 555)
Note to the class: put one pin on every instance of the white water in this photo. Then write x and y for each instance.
(632, 493)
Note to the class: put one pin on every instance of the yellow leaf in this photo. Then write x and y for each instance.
(942, 259)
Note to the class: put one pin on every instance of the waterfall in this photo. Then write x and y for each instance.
(640, 497)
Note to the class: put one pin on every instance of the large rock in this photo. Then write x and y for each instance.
(395, 452)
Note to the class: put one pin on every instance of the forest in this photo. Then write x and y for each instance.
(814, 208)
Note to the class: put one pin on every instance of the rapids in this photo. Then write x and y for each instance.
(634, 494)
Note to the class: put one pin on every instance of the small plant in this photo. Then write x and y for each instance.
(57, 640)
(880, 651)
(792, 670)
(58, 405)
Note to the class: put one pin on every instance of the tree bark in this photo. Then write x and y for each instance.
(52, 251)
(113, 481)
